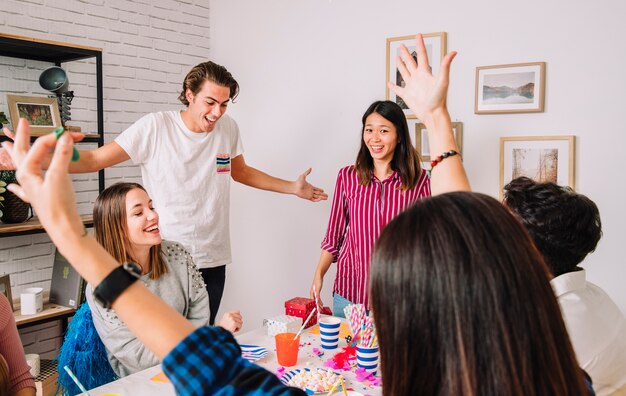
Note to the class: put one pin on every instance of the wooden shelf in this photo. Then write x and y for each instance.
(33, 226)
(89, 137)
(50, 312)
(44, 50)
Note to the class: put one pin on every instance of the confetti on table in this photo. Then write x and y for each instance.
(160, 378)
(363, 375)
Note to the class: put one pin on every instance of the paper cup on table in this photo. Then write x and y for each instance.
(367, 358)
(329, 332)
(32, 359)
(31, 301)
(287, 349)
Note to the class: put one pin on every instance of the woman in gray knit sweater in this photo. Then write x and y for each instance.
(126, 224)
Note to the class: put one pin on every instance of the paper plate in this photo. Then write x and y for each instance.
(287, 377)
(252, 353)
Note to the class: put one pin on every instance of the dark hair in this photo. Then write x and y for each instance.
(463, 305)
(111, 230)
(208, 71)
(565, 225)
(405, 158)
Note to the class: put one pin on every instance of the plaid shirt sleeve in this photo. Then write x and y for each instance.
(209, 362)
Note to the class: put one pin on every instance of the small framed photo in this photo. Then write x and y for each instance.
(435, 48)
(5, 288)
(541, 158)
(421, 139)
(515, 88)
(41, 112)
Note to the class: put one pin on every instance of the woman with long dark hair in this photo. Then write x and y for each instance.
(463, 305)
(386, 178)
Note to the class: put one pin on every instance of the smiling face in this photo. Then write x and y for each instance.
(142, 221)
(206, 107)
(380, 137)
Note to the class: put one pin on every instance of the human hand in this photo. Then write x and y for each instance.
(52, 195)
(424, 93)
(5, 158)
(305, 190)
(316, 290)
(231, 321)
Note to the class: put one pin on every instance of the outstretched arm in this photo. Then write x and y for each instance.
(426, 95)
(245, 174)
(155, 323)
(90, 160)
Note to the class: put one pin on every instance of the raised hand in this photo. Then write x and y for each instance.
(52, 194)
(5, 158)
(424, 93)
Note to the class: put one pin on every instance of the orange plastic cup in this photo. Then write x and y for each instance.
(287, 349)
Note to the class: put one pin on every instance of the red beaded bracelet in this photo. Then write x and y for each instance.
(440, 158)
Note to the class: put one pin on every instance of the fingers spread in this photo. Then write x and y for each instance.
(396, 89)
(22, 135)
(422, 57)
(8, 132)
(445, 64)
(407, 58)
(17, 190)
(62, 155)
(307, 172)
(402, 68)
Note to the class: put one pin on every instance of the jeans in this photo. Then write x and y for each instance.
(214, 278)
(339, 303)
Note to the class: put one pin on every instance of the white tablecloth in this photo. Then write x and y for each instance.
(141, 383)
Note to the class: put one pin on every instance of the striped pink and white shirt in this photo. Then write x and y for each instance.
(358, 215)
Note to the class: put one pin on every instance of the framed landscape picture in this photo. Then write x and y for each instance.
(41, 112)
(421, 139)
(435, 48)
(541, 158)
(515, 88)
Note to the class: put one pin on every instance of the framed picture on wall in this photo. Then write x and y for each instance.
(435, 48)
(5, 288)
(541, 158)
(421, 139)
(41, 112)
(515, 88)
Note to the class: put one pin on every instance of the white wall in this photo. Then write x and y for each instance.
(309, 68)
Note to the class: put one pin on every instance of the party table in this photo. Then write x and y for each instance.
(152, 381)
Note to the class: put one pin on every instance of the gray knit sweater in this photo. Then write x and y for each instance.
(182, 288)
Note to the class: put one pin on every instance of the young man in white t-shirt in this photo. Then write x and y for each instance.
(187, 159)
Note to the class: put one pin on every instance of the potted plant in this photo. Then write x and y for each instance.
(14, 210)
(3, 119)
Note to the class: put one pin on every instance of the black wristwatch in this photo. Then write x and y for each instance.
(115, 283)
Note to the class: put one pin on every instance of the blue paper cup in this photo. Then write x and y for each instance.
(329, 332)
(367, 358)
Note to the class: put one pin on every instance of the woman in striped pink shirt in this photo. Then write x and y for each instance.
(387, 178)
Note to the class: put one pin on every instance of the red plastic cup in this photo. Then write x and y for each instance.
(287, 349)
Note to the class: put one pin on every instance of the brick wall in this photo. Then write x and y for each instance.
(148, 47)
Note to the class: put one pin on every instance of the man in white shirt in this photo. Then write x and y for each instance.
(187, 159)
(565, 227)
